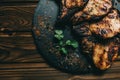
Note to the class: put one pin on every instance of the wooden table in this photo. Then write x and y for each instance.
(19, 59)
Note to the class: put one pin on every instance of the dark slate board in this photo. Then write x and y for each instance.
(44, 22)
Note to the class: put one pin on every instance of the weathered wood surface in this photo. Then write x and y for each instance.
(19, 59)
(17, 2)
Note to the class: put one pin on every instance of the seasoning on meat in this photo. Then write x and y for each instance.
(68, 5)
(93, 10)
(102, 54)
(108, 27)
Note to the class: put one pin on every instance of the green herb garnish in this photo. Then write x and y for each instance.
(64, 50)
(59, 34)
(62, 45)
(74, 43)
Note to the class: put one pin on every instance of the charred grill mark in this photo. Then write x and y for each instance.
(103, 31)
(111, 16)
(112, 52)
(104, 9)
(100, 61)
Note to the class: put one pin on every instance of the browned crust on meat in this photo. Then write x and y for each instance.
(70, 4)
(108, 27)
(93, 10)
(102, 54)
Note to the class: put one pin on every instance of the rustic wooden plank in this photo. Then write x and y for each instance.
(16, 17)
(16, 34)
(33, 78)
(40, 65)
(19, 56)
(16, 41)
(18, 47)
(17, 2)
(45, 72)
(21, 40)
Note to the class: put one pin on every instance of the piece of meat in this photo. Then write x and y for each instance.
(82, 29)
(94, 9)
(68, 5)
(103, 56)
(102, 52)
(87, 44)
(108, 27)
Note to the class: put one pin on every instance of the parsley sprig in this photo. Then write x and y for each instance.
(62, 45)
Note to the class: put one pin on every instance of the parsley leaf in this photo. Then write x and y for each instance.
(59, 32)
(64, 51)
(62, 45)
(68, 42)
(74, 44)
(59, 36)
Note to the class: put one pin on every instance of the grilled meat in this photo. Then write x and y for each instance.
(108, 27)
(68, 5)
(103, 56)
(93, 10)
(87, 44)
(102, 52)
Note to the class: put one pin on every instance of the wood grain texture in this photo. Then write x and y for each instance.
(17, 2)
(19, 58)
(14, 18)
(16, 41)
(41, 71)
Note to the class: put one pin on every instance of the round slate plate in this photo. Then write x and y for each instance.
(44, 22)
